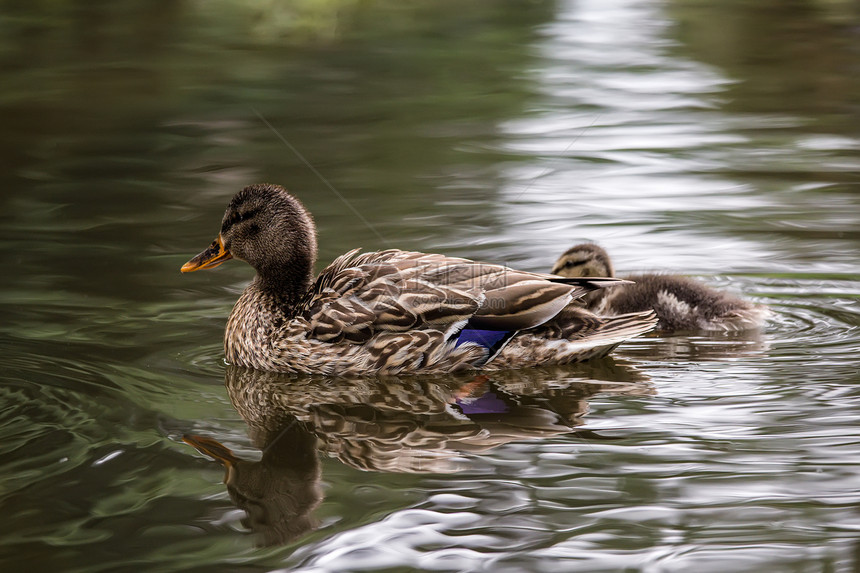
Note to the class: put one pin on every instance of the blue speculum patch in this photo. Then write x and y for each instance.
(486, 338)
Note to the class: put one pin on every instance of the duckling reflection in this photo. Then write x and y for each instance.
(278, 493)
(701, 347)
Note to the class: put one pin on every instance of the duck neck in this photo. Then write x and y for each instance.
(287, 283)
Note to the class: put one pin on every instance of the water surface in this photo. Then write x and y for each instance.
(717, 141)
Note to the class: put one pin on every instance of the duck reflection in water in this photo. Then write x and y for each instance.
(279, 492)
(399, 425)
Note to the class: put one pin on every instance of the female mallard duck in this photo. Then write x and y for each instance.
(393, 311)
(681, 303)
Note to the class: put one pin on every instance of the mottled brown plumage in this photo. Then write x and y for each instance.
(392, 311)
(681, 303)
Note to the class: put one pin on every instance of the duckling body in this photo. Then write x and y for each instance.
(681, 303)
(393, 311)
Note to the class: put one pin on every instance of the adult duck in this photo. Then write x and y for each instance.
(392, 311)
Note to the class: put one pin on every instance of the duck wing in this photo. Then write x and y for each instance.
(359, 295)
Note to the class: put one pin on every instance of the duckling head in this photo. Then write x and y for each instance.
(270, 230)
(585, 260)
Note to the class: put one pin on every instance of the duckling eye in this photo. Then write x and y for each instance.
(568, 264)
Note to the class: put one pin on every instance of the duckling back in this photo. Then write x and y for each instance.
(681, 303)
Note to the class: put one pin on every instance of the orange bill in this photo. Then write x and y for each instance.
(213, 256)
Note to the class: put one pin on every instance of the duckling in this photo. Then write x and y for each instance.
(393, 311)
(681, 303)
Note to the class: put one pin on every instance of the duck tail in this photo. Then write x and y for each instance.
(614, 331)
(575, 335)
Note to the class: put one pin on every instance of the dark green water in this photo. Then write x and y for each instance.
(720, 140)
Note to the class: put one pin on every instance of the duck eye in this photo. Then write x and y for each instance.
(248, 214)
(237, 217)
(576, 263)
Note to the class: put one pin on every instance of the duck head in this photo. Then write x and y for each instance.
(585, 260)
(270, 230)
